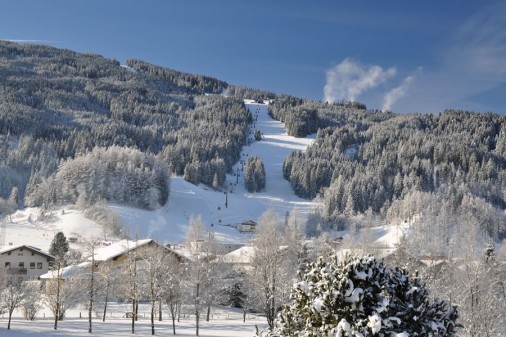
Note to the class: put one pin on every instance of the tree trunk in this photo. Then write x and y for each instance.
(243, 315)
(106, 298)
(160, 310)
(273, 305)
(90, 309)
(178, 312)
(173, 309)
(57, 311)
(10, 316)
(153, 303)
(105, 308)
(208, 313)
(133, 317)
(197, 311)
(136, 310)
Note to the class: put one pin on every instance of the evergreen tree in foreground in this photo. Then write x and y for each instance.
(359, 296)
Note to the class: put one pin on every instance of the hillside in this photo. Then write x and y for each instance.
(186, 199)
(168, 224)
(82, 129)
(58, 105)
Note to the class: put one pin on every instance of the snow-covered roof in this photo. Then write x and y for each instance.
(124, 246)
(118, 248)
(432, 261)
(7, 249)
(242, 255)
(69, 271)
(380, 253)
(184, 252)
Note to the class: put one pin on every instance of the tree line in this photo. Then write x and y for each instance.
(59, 105)
(378, 160)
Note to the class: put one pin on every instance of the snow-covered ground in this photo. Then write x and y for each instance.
(27, 229)
(224, 323)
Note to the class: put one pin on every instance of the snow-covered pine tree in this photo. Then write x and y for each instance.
(54, 297)
(59, 247)
(359, 296)
(254, 174)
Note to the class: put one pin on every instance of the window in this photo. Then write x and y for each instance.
(7, 265)
(39, 265)
(20, 254)
(21, 266)
(32, 265)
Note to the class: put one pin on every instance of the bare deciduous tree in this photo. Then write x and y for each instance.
(11, 297)
(153, 270)
(31, 303)
(196, 268)
(171, 292)
(270, 273)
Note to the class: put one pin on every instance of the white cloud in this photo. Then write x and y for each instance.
(472, 61)
(469, 63)
(349, 79)
(480, 44)
(396, 93)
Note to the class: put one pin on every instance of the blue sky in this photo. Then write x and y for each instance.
(404, 56)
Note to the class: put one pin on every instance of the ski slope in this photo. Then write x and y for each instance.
(169, 223)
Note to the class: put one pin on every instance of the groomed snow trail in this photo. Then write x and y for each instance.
(272, 149)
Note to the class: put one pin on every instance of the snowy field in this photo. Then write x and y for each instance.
(26, 229)
(225, 323)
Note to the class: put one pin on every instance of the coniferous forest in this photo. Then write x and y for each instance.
(58, 108)
(61, 110)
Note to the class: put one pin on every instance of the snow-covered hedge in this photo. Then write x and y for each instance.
(359, 296)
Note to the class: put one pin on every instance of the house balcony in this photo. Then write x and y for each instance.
(16, 271)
